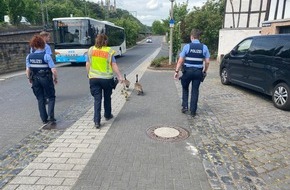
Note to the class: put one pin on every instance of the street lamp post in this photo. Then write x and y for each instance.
(171, 32)
(179, 32)
(86, 8)
(42, 13)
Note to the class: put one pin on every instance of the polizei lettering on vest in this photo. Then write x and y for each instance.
(35, 61)
(195, 51)
(99, 53)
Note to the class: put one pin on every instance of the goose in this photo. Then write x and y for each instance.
(126, 82)
(138, 86)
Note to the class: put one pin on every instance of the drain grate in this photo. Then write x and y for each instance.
(166, 133)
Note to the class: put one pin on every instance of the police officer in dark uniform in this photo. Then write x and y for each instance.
(194, 61)
(42, 74)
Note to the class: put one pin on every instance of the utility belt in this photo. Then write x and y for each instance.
(185, 68)
(193, 68)
(42, 73)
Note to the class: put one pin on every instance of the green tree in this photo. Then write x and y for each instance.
(131, 24)
(32, 11)
(209, 19)
(176, 40)
(15, 10)
(158, 28)
(132, 30)
(63, 8)
(179, 14)
(95, 11)
(180, 11)
(3, 10)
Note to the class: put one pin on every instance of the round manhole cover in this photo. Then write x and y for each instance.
(167, 133)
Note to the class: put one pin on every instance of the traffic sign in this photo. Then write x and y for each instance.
(171, 23)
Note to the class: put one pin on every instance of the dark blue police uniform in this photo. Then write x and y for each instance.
(40, 65)
(193, 54)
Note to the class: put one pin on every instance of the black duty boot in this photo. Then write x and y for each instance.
(184, 110)
(110, 117)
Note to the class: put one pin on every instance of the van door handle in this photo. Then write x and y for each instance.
(244, 62)
(250, 62)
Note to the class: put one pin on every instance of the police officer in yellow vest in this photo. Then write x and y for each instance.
(100, 65)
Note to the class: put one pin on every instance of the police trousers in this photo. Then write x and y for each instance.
(193, 76)
(43, 87)
(100, 88)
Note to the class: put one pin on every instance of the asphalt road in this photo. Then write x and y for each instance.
(18, 106)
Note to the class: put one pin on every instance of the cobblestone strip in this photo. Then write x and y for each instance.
(224, 162)
(15, 159)
(258, 129)
(241, 147)
(61, 163)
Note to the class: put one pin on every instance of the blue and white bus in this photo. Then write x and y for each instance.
(74, 35)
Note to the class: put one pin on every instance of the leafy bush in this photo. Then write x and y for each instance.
(157, 62)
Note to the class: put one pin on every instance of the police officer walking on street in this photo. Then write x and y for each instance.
(100, 65)
(46, 37)
(194, 62)
(42, 74)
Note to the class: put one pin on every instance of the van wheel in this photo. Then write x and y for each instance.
(281, 97)
(224, 76)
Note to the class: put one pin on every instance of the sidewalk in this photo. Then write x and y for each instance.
(121, 155)
(128, 159)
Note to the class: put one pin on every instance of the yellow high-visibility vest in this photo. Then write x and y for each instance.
(100, 60)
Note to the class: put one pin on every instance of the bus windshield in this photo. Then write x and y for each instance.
(72, 32)
(73, 36)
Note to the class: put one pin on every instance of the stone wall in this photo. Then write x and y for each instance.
(14, 47)
(18, 36)
(12, 56)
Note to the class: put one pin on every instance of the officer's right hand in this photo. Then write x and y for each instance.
(176, 75)
(121, 79)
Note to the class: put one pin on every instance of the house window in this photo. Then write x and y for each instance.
(284, 30)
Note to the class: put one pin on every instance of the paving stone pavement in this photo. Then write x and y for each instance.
(127, 159)
(61, 163)
(238, 141)
(242, 138)
(15, 159)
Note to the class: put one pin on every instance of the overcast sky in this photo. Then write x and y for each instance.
(148, 11)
